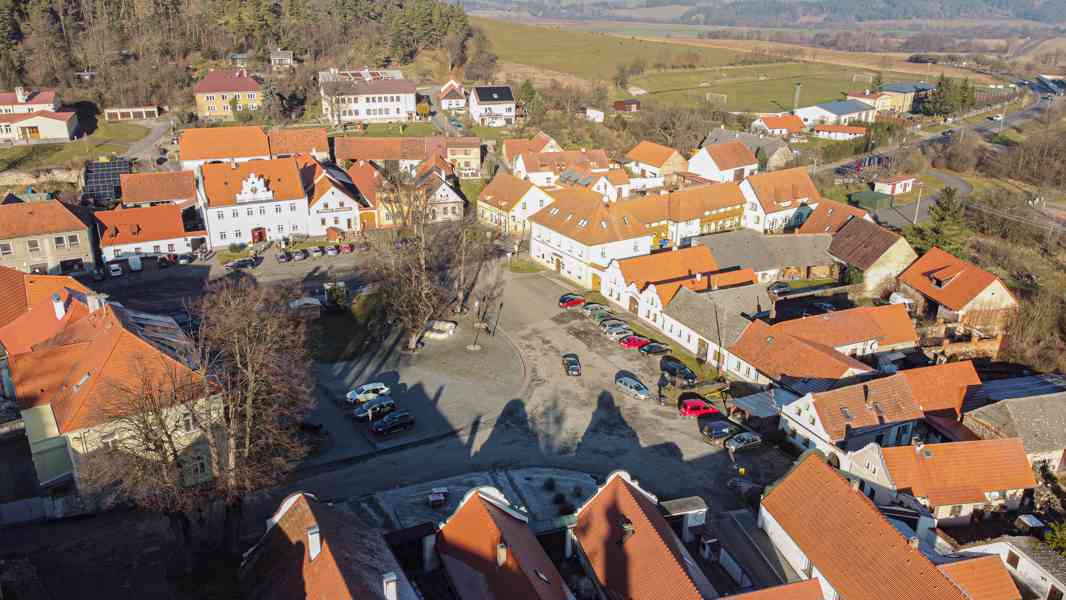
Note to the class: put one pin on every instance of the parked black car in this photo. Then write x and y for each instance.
(572, 365)
(677, 370)
(717, 431)
(654, 348)
(393, 423)
(377, 408)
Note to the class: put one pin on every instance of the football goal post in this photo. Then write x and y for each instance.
(716, 99)
(863, 77)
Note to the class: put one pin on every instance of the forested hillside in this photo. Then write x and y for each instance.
(147, 51)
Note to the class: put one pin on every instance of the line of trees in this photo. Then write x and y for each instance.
(950, 97)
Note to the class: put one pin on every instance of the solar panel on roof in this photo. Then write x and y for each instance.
(103, 178)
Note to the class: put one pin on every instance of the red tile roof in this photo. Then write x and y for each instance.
(226, 81)
(305, 140)
(731, 155)
(889, 324)
(22, 219)
(468, 542)
(158, 187)
(670, 269)
(41, 96)
(788, 358)
(557, 162)
(942, 387)
(947, 279)
(77, 370)
(349, 566)
(24, 290)
(792, 123)
(859, 553)
(959, 472)
(37, 322)
(367, 179)
(830, 216)
(222, 182)
(651, 153)
(809, 589)
(150, 224)
(582, 216)
(388, 148)
(983, 578)
(504, 191)
(780, 190)
(46, 114)
(219, 143)
(648, 564)
(840, 129)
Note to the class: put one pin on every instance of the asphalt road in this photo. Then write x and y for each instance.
(899, 217)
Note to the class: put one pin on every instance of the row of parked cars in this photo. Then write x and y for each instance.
(374, 404)
(285, 256)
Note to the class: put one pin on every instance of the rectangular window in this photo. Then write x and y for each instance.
(323, 222)
(1012, 559)
(236, 213)
(292, 207)
(222, 235)
(237, 233)
(170, 247)
(59, 242)
(220, 215)
(262, 210)
(250, 212)
(5, 249)
(186, 424)
(281, 228)
(156, 249)
(73, 241)
(251, 95)
(277, 209)
(956, 510)
(34, 246)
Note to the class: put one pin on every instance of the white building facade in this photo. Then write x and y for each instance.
(257, 213)
(492, 106)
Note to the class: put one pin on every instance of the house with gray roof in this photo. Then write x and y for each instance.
(707, 323)
(838, 112)
(773, 257)
(880, 254)
(777, 152)
(1034, 565)
(1039, 419)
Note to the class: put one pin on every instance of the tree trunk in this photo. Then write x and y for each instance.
(231, 526)
(412, 339)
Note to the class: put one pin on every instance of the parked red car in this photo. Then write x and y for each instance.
(570, 301)
(697, 408)
(633, 342)
(347, 248)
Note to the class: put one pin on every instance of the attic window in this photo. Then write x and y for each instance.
(769, 339)
(314, 542)
(603, 224)
(569, 216)
(625, 220)
(847, 414)
(877, 409)
(554, 211)
(582, 222)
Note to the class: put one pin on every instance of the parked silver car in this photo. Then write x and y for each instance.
(743, 441)
(618, 333)
(367, 391)
(612, 324)
(632, 387)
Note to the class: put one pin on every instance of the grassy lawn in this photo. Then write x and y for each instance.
(593, 56)
(490, 133)
(768, 87)
(471, 188)
(800, 284)
(226, 255)
(930, 185)
(108, 139)
(416, 129)
(524, 265)
(341, 336)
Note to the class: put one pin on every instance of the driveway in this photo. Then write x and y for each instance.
(899, 217)
(146, 149)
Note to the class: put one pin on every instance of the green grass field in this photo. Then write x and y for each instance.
(592, 56)
(108, 139)
(760, 88)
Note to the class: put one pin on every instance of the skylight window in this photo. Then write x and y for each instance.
(582, 222)
(603, 224)
(554, 211)
(847, 414)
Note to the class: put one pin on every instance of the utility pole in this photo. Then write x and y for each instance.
(918, 204)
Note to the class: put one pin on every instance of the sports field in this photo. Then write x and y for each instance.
(592, 56)
(757, 88)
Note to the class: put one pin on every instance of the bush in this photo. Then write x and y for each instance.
(235, 247)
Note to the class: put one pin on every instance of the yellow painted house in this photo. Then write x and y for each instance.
(221, 94)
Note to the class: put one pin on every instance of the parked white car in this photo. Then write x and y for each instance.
(367, 391)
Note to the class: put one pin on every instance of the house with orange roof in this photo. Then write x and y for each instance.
(68, 356)
(887, 411)
(829, 216)
(334, 201)
(249, 202)
(578, 235)
(541, 142)
(507, 202)
(452, 97)
(729, 161)
(435, 179)
(464, 153)
(375, 189)
(291, 141)
(613, 185)
(828, 530)
(660, 273)
(44, 238)
(221, 94)
(1036, 568)
(859, 331)
(675, 218)
(27, 289)
(708, 322)
(800, 590)
(779, 199)
(654, 165)
(898, 184)
(953, 290)
(778, 125)
(201, 145)
(23, 100)
(545, 168)
(141, 190)
(150, 231)
(317, 549)
(629, 549)
(949, 483)
(489, 552)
